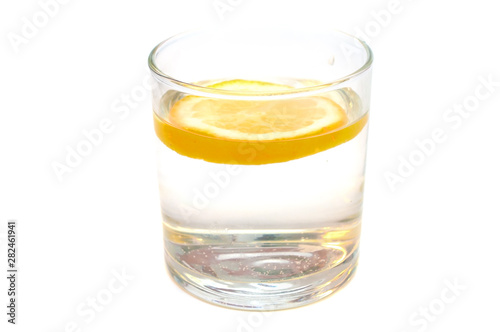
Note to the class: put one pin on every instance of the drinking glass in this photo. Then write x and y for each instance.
(261, 159)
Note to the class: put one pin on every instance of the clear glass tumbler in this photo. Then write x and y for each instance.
(261, 158)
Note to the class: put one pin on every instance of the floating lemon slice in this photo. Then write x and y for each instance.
(254, 132)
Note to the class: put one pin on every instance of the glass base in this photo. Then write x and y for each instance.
(264, 296)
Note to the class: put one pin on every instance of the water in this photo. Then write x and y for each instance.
(269, 236)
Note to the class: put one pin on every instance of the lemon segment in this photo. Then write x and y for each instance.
(257, 120)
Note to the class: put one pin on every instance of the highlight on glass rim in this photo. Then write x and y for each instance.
(261, 145)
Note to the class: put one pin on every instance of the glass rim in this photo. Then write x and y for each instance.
(221, 93)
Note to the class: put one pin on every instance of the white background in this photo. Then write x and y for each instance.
(439, 226)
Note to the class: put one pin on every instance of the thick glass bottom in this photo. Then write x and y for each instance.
(265, 295)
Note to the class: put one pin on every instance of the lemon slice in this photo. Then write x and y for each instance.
(257, 120)
(254, 132)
